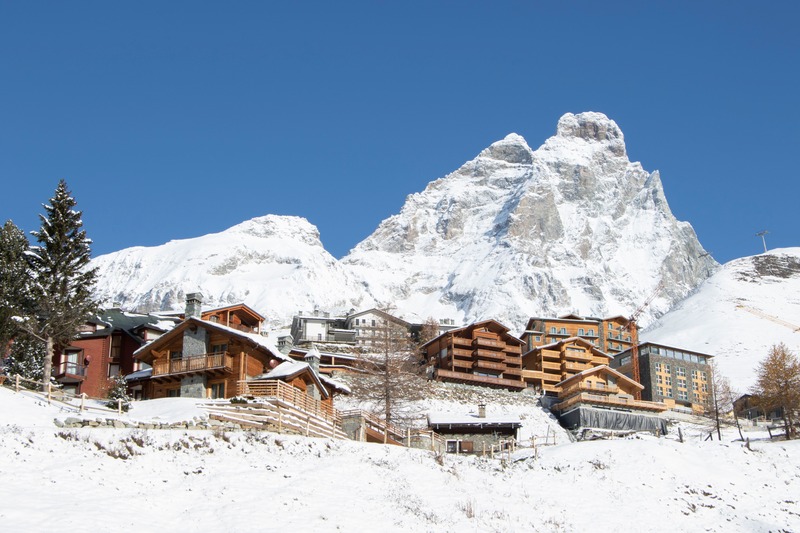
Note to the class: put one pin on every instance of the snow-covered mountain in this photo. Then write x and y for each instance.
(275, 264)
(571, 227)
(739, 313)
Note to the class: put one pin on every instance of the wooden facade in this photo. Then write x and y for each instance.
(229, 357)
(480, 354)
(602, 387)
(610, 335)
(237, 316)
(544, 367)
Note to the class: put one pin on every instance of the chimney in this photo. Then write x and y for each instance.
(481, 410)
(312, 358)
(194, 302)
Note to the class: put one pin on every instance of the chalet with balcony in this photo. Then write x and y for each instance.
(602, 398)
(103, 349)
(203, 358)
(610, 335)
(238, 316)
(479, 354)
(678, 377)
(545, 367)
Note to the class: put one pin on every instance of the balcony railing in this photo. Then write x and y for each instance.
(585, 387)
(461, 341)
(483, 380)
(292, 395)
(489, 354)
(610, 400)
(197, 363)
(489, 343)
(489, 365)
(70, 368)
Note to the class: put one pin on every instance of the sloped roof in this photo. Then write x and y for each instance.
(292, 369)
(605, 369)
(493, 324)
(576, 340)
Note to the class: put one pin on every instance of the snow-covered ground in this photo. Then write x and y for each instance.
(133, 480)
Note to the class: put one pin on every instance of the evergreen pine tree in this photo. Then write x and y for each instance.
(14, 283)
(119, 391)
(25, 358)
(62, 283)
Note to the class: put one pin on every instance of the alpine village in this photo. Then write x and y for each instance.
(591, 373)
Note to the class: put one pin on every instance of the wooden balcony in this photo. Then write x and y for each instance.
(516, 362)
(578, 356)
(484, 334)
(280, 390)
(472, 379)
(466, 364)
(461, 352)
(574, 367)
(489, 365)
(513, 372)
(551, 354)
(216, 363)
(489, 354)
(461, 341)
(547, 365)
(513, 349)
(584, 387)
(609, 400)
(489, 343)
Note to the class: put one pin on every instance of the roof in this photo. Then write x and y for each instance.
(291, 369)
(380, 312)
(668, 347)
(254, 339)
(443, 419)
(597, 369)
(577, 340)
(503, 330)
(140, 374)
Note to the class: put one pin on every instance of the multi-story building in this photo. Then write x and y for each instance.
(678, 377)
(321, 327)
(546, 366)
(479, 354)
(610, 335)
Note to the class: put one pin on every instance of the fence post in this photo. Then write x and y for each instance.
(83, 399)
(119, 406)
(17, 383)
(408, 437)
(308, 424)
(49, 391)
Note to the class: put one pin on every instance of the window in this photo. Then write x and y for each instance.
(659, 379)
(669, 393)
(113, 370)
(563, 331)
(680, 371)
(174, 393)
(682, 395)
(681, 383)
(580, 332)
(659, 367)
(668, 381)
(552, 330)
(538, 338)
(694, 374)
(219, 348)
(216, 391)
(116, 346)
(703, 376)
(695, 386)
(373, 323)
(660, 391)
(705, 387)
(667, 369)
(175, 354)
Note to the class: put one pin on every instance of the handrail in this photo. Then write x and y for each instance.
(192, 363)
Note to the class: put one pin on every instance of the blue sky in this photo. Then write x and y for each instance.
(176, 119)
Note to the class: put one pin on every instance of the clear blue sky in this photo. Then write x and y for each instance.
(176, 119)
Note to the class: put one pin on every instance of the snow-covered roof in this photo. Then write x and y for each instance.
(600, 368)
(289, 369)
(140, 374)
(444, 419)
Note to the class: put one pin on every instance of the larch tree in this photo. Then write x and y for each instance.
(62, 282)
(15, 301)
(778, 385)
(720, 402)
(390, 380)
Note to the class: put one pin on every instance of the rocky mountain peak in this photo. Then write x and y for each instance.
(593, 128)
(512, 149)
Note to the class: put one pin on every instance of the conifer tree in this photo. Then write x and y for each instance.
(26, 358)
(62, 283)
(14, 282)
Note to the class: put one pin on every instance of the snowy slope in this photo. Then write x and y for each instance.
(275, 264)
(258, 481)
(571, 227)
(738, 313)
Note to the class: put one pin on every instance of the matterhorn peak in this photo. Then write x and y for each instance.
(592, 127)
(512, 149)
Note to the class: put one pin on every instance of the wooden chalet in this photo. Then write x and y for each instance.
(602, 386)
(479, 354)
(330, 362)
(475, 432)
(238, 316)
(602, 398)
(204, 358)
(611, 335)
(545, 367)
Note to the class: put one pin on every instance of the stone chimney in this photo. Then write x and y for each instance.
(194, 302)
(312, 358)
(481, 410)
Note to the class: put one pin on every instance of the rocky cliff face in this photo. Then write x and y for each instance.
(573, 226)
